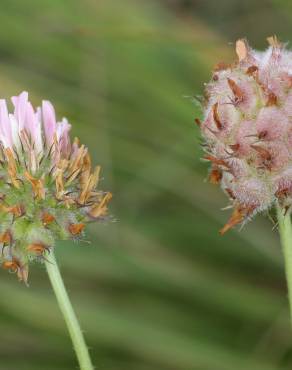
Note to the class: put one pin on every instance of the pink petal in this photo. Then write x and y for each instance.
(30, 123)
(20, 107)
(49, 121)
(5, 126)
(33, 128)
(14, 131)
(63, 136)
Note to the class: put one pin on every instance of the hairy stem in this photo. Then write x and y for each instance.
(285, 230)
(68, 313)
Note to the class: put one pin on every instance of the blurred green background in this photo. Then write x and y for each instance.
(158, 289)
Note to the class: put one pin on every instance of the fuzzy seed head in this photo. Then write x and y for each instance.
(247, 128)
(48, 188)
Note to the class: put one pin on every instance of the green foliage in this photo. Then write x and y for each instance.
(158, 289)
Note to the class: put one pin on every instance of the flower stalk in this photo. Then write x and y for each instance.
(68, 313)
(285, 230)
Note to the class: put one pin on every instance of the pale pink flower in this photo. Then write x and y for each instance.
(48, 189)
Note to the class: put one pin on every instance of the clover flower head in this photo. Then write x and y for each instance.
(247, 128)
(47, 185)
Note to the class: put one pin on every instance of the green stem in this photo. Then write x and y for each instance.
(285, 230)
(68, 313)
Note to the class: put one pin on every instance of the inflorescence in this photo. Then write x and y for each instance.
(47, 185)
(247, 128)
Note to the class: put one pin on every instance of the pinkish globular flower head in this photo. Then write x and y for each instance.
(47, 186)
(247, 127)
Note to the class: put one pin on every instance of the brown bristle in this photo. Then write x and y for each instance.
(238, 215)
(222, 66)
(230, 193)
(37, 248)
(216, 116)
(251, 70)
(6, 238)
(47, 218)
(234, 147)
(76, 229)
(274, 41)
(237, 92)
(198, 122)
(272, 99)
(215, 160)
(10, 265)
(282, 193)
(17, 210)
(215, 176)
(241, 49)
(264, 153)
